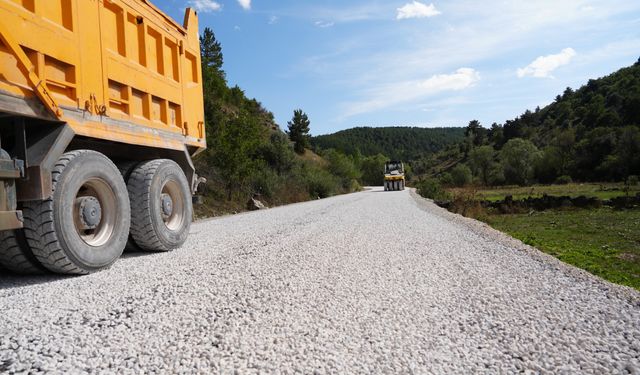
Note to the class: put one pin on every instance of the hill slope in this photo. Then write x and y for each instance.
(590, 134)
(403, 143)
(609, 102)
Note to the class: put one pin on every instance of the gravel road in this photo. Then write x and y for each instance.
(373, 282)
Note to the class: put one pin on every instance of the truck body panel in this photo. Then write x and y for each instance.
(118, 70)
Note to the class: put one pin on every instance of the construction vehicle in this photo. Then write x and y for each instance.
(393, 176)
(101, 112)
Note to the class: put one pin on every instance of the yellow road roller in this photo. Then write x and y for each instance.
(393, 176)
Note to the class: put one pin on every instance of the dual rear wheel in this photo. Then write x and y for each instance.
(393, 185)
(86, 224)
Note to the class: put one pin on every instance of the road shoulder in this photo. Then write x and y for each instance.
(485, 231)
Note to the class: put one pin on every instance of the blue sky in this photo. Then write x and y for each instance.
(353, 63)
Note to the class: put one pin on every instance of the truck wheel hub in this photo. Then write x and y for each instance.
(167, 205)
(89, 212)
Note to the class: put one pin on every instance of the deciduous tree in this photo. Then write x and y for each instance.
(518, 157)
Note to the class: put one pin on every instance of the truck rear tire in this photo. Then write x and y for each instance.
(126, 168)
(84, 226)
(16, 255)
(161, 205)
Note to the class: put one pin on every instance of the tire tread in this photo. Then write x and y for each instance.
(16, 256)
(40, 225)
(139, 186)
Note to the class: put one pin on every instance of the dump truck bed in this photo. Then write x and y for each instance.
(115, 70)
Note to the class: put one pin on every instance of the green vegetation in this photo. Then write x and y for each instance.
(605, 242)
(588, 135)
(432, 189)
(248, 154)
(460, 175)
(299, 131)
(398, 143)
(372, 168)
(601, 191)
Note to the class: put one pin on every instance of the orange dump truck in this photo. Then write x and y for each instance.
(101, 111)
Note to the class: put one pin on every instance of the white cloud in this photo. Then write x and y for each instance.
(245, 4)
(324, 24)
(544, 65)
(273, 20)
(393, 94)
(417, 9)
(205, 6)
(461, 79)
(360, 66)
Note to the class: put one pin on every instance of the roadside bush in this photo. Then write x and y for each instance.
(265, 182)
(461, 175)
(372, 168)
(343, 167)
(431, 188)
(466, 203)
(278, 153)
(633, 180)
(320, 183)
(564, 180)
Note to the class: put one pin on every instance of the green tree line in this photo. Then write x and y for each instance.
(398, 143)
(590, 134)
(247, 152)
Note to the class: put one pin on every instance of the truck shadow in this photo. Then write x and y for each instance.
(10, 280)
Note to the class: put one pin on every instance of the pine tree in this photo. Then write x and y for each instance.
(299, 130)
(211, 52)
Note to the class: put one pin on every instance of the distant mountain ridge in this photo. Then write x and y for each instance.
(401, 142)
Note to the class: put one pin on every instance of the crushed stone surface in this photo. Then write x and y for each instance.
(372, 282)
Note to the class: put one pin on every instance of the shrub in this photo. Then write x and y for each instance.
(461, 175)
(431, 188)
(633, 180)
(465, 203)
(320, 183)
(446, 179)
(372, 170)
(343, 167)
(265, 182)
(564, 180)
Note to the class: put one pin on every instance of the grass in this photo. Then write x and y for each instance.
(598, 190)
(604, 241)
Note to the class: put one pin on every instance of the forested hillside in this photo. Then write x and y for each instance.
(401, 143)
(247, 152)
(590, 134)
